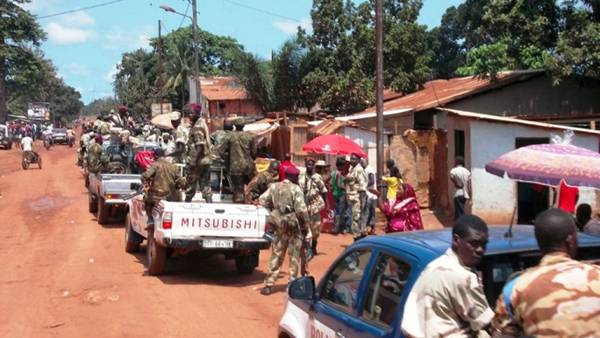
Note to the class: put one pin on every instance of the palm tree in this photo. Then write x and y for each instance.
(177, 70)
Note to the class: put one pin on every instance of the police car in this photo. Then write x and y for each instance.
(363, 292)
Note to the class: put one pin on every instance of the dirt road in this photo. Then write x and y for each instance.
(63, 275)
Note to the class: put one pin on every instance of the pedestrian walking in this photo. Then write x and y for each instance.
(315, 191)
(447, 298)
(560, 297)
(342, 213)
(461, 177)
(289, 216)
(368, 210)
(356, 188)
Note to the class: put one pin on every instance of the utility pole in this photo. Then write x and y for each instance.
(379, 83)
(160, 69)
(196, 66)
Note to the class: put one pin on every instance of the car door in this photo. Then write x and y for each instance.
(387, 288)
(335, 308)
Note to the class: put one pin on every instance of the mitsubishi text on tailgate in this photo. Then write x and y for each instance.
(236, 230)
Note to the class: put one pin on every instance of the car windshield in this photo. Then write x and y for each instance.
(60, 131)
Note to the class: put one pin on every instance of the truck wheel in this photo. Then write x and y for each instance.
(132, 238)
(93, 205)
(102, 215)
(156, 255)
(246, 264)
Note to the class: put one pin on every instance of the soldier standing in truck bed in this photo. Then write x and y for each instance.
(239, 152)
(198, 159)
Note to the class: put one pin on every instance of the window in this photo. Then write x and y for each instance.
(385, 290)
(459, 143)
(341, 286)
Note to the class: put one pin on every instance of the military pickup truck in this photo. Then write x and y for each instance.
(108, 193)
(238, 231)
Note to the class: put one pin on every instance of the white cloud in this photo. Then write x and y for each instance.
(77, 69)
(38, 5)
(118, 38)
(291, 27)
(110, 76)
(78, 19)
(62, 35)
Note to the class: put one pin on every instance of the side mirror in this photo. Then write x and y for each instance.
(135, 186)
(302, 288)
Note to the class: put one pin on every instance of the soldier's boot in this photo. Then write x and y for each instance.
(314, 247)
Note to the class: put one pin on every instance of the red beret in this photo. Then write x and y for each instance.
(196, 108)
(291, 170)
(122, 109)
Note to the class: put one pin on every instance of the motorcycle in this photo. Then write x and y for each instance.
(48, 142)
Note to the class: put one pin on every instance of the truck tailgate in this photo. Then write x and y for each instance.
(194, 220)
(114, 183)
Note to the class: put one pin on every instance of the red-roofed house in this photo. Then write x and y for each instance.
(225, 96)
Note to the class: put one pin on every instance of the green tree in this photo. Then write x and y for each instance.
(99, 106)
(255, 75)
(18, 32)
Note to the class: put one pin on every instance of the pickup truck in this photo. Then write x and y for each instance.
(363, 292)
(108, 193)
(238, 231)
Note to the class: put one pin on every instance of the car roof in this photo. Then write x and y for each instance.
(436, 242)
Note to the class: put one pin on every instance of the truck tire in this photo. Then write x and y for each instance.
(92, 204)
(132, 238)
(156, 256)
(102, 211)
(247, 263)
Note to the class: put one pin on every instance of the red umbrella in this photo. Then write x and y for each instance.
(334, 145)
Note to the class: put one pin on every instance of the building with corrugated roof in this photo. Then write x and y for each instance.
(226, 96)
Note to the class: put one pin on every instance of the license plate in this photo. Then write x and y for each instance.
(217, 244)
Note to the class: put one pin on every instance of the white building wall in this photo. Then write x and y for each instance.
(368, 141)
(495, 197)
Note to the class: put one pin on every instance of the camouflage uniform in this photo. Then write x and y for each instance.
(96, 159)
(356, 187)
(558, 298)
(447, 300)
(182, 134)
(163, 179)
(288, 216)
(259, 184)
(220, 138)
(314, 187)
(239, 152)
(198, 172)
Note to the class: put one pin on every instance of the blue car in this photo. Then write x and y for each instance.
(363, 293)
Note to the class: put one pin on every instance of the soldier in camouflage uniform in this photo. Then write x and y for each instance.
(314, 190)
(356, 194)
(219, 139)
(261, 182)
(288, 215)
(198, 160)
(447, 300)
(239, 152)
(162, 180)
(96, 159)
(558, 298)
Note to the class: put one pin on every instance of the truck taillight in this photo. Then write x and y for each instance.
(167, 222)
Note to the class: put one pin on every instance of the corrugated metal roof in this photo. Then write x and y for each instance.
(438, 93)
(222, 88)
(503, 119)
(327, 127)
(368, 115)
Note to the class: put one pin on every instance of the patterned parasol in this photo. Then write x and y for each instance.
(548, 164)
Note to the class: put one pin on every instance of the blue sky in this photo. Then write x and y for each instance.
(85, 46)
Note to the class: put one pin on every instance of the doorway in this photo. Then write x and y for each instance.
(531, 198)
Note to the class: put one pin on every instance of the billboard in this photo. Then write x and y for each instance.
(38, 111)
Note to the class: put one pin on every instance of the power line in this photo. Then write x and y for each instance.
(81, 9)
(262, 11)
(184, 17)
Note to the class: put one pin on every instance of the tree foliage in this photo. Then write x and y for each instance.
(483, 37)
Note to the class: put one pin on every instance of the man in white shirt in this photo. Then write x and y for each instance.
(461, 177)
(27, 147)
(368, 212)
